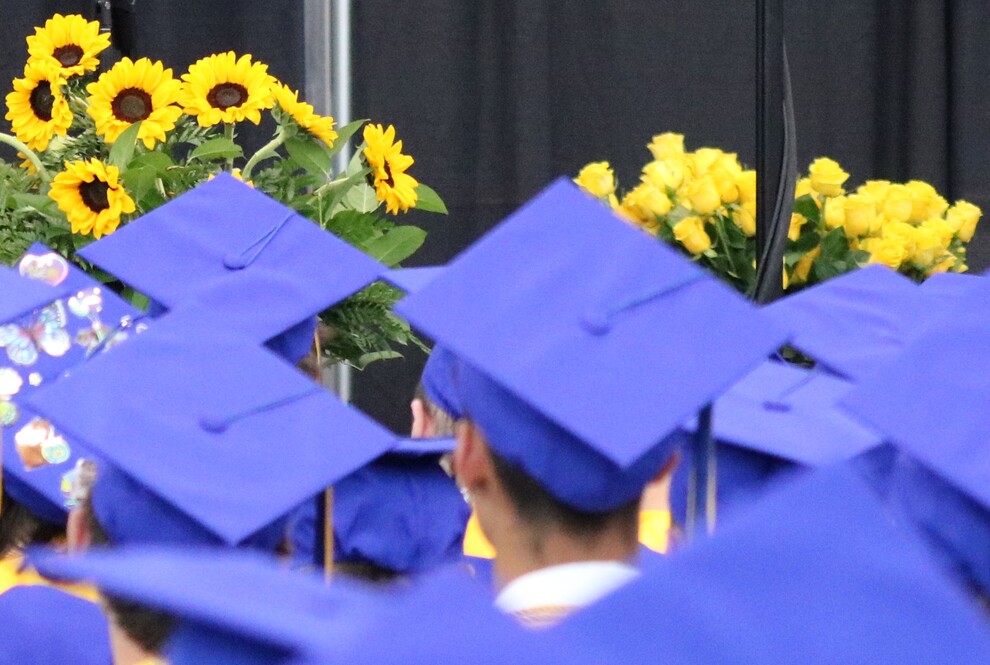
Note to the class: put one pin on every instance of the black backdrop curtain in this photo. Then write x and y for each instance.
(495, 98)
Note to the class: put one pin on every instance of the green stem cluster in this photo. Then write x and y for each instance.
(264, 152)
(31, 155)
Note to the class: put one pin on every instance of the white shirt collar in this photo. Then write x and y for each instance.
(573, 585)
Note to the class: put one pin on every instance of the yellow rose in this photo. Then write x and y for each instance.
(803, 267)
(703, 196)
(888, 251)
(937, 206)
(835, 212)
(746, 182)
(942, 266)
(648, 201)
(703, 159)
(941, 228)
(963, 218)
(691, 233)
(745, 220)
(927, 246)
(797, 221)
(897, 205)
(725, 182)
(730, 162)
(860, 214)
(803, 187)
(875, 188)
(667, 146)
(901, 232)
(597, 179)
(827, 176)
(921, 198)
(664, 174)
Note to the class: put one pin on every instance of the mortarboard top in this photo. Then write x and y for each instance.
(814, 572)
(231, 605)
(778, 418)
(933, 403)
(69, 317)
(402, 512)
(949, 284)
(215, 437)
(45, 626)
(854, 322)
(265, 268)
(584, 340)
(412, 280)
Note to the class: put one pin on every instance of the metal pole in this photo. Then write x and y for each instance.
(342, 83)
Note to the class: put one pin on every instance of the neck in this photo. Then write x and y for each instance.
(526, 549)
(125, 650)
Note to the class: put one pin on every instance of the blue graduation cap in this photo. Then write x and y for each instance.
(237, 608)
(854, 322)
(402, 512)
(232, 606)
(204, 437)
(439, 383)
(815, 572)
(53, 316)
(583, 345)
(45, 626)
(265, 269)
(412, 280)
(779, 418)
(933, 403)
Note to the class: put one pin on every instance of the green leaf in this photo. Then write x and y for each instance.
(429, 200)
(123, 148)
(806, 206)
(362, 197)
(39, 202)
(139, 181)
(369, 358)
(397, 245)
(312, 156)
(154, 159)
(357, 228)
(344, 135)
(218, 148)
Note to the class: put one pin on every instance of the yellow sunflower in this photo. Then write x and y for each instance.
(394, 187)
(36, 108)
(225, 88)
(317, 125)
(131, 92)
(91, 196)
(70, 43)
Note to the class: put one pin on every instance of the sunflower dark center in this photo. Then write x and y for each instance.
(95, 195)
(225, 95)
(69, 55)
(42, 100)
(131, 105)
(389, 180)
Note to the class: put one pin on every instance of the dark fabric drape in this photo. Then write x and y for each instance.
(495, 98)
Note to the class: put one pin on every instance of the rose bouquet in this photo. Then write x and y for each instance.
(97, 149)
(704, 202)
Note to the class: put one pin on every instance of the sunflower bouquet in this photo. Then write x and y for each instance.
(99, 145)
(704, 203)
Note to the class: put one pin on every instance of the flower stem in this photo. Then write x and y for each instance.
(27, 152)
(264, 152)
(228, 132)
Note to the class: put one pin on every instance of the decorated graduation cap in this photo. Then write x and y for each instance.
(933, 403)
(777, 419)
(854, 322)
(203, 436)
(814, 572)
(438, 381)
(265, 269)
(45, 626)
(232, 606)
(402, 513)
(53, 316)
(583, 344)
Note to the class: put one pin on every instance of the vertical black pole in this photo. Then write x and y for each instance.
(769, 115)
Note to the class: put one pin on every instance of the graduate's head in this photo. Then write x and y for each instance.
(20, 527)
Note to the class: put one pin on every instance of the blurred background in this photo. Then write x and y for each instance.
(495, 98)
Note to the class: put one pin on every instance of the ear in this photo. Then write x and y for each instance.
(472, 462)
(77, 531)
(422, 422)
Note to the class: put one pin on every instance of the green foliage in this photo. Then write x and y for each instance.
(295, 167)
